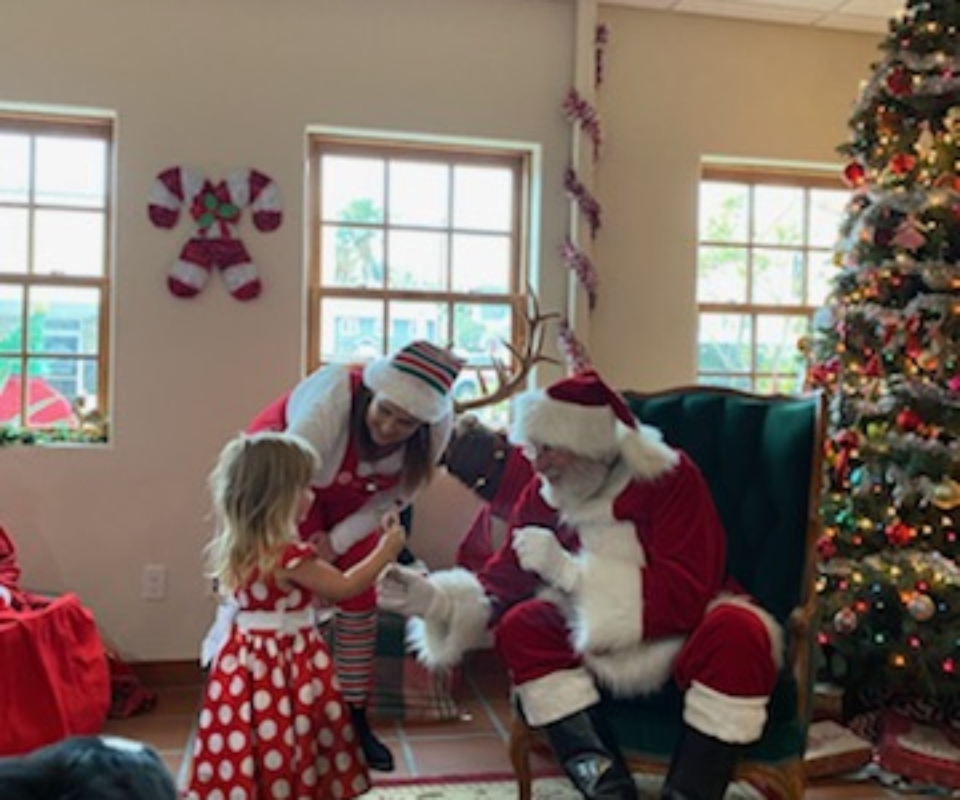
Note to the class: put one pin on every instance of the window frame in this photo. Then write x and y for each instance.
(80, 126)
(806, 178)
(452, 153)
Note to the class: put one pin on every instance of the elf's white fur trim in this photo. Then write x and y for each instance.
(774, 628)
(557, 695)
(590, 431)
(440, 644)
(735, 720)
(641, 669)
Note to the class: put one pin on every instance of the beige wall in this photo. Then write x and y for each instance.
(678, 88)
(225, 83)
(220, 84)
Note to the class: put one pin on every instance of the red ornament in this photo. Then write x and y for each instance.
(899, 82)
(899, 534)
(909, 420)
(826, 548)
(855, 175)
(903, 163)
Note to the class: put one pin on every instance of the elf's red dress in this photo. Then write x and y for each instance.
(273, 722)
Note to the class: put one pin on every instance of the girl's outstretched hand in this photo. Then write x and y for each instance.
(394, 536)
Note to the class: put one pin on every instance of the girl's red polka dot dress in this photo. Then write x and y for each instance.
(274, 725)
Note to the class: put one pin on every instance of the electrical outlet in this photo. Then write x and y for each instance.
(153, 585)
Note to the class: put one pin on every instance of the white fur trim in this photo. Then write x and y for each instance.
(735, 720)
(440, 644)
(774, 629)
(413, 395)
(640, 669)
(557, 695)
(609, 603)
(590, 431)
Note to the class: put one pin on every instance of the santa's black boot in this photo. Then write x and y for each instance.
(378, 755)
(701, 769)
(590, 758)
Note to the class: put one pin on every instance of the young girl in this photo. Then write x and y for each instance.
(273, 722)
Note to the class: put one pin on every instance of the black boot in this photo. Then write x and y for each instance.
(701, 769)
(378, 755)
(590, 757)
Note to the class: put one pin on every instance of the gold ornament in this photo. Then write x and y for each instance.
(946, 495)
(921, 607)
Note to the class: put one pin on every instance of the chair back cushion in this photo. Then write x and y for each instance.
(757, 454)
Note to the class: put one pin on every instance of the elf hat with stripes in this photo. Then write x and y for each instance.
(417, 378)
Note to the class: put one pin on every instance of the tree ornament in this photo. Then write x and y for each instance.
(845, 620)
(946, 494)
(909, 420)
(215, 209)
(921, 607)
(855, 175)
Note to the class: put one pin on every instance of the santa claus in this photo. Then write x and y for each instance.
(611, 577)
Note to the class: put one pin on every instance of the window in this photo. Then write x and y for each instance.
(55, 179)
(764, 264)
(417, 241)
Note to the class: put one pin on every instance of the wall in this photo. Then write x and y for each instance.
(220, 84)
(679, 87)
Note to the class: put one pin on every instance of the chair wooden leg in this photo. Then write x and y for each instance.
(520, 757)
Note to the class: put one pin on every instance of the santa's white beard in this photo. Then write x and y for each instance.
(580, 481)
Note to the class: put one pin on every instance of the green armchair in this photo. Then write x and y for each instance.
(762, 458)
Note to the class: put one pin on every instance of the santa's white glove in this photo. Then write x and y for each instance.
(409, 592)
(539, 551)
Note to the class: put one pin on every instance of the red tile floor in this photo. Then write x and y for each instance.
(477, 741)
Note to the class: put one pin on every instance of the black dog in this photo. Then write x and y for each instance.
(87, 768)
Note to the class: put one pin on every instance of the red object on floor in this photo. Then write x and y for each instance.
(54, 677)
(919, 751)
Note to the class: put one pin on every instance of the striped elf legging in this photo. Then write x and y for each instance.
(354, 642)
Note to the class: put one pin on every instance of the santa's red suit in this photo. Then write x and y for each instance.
(643, 598)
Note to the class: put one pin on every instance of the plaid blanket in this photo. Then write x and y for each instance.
(403, 688)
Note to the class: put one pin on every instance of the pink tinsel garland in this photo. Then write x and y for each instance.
(580, 263)
(587, 118)
(586, 202)
(574, 353)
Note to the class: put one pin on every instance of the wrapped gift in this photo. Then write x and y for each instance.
(919, 751)
(833, 749)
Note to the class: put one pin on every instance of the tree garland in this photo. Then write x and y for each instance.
(579, 262)
(587, 204)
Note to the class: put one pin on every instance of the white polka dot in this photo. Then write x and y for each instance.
(288, 736)
(258, 668)
(348, 733)
(246, 767)
(321, 660)
(216, 794)
(360, 783)
(306, 695)
(216, 743)
(273, 760)
(338, 790)
(245, 711)
(236, 686)
(259, 591)
(343, 761)
(236, 741)
(277, 678)
(323, 765)
(204, 771)
(280, 789)
(309, 776)
(228, 664)
(325, 737)
(215, 690)
(301, 724)
(226, 770)
(267, 730)
(295, 597)
(239, 793)
(261, 700)
(333, 711)
(283, 706)
(225, 715)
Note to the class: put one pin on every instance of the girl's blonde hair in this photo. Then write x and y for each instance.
(256, 486)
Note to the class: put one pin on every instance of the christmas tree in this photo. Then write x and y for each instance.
(886, 350)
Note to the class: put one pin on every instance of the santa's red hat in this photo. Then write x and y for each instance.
(584, 415)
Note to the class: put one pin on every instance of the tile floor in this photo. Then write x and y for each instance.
(476, 742)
